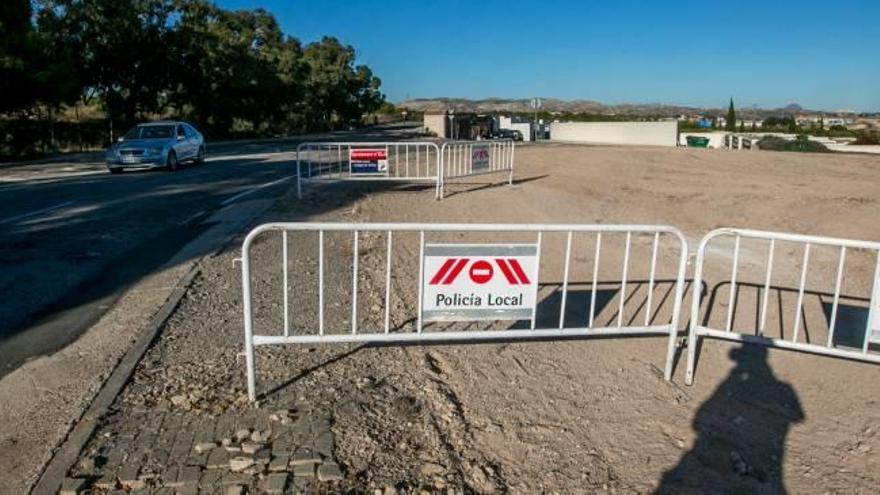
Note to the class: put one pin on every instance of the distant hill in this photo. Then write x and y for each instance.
(501, 105)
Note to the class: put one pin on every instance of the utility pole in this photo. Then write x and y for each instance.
(536, 104)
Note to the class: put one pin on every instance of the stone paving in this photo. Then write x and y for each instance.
(174, 452)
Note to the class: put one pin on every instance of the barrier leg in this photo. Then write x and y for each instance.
(512, 152)
(670, 354)
(248, 326)
(696, 295)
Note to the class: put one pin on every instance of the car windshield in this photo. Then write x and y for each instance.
(150, 132)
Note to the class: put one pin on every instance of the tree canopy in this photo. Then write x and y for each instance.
(228, 71)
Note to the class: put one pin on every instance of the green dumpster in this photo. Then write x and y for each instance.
(697, 142)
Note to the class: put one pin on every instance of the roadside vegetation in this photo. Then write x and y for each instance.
(801, 143)
(75, 73)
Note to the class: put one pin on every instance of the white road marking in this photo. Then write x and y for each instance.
(49, 176)
(191, 217)
(215, 158)
(30, 214)
(252, 190)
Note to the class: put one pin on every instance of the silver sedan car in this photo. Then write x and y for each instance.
(156, 145)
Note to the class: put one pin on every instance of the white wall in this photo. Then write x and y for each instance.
(436, 123)
(644, 133)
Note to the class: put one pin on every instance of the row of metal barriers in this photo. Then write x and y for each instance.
(402, 161)
(453, 283)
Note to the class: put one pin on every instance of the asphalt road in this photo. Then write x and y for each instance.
(73, 237)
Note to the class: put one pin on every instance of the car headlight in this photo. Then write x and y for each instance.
(154, 151)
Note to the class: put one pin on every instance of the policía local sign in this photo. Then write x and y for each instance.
(479, 282)
(369, 161)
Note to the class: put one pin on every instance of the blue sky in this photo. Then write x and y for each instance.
(820, 54)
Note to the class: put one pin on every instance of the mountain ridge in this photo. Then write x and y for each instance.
(519, 105)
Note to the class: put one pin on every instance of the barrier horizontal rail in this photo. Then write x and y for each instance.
(405, 161)
(511, 269)
(471, 158)
(870, 334)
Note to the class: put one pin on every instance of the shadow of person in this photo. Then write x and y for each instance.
(741, 432)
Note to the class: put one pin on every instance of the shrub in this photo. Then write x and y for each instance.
(802, 144)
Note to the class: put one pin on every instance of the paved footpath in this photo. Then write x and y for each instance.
(154, 451)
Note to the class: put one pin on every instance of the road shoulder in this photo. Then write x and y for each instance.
(54, 391)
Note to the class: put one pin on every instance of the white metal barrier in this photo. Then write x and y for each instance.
(827, 346)
(408, 161)
(470, 158)
(448, 273)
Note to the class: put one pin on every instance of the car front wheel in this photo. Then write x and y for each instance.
(171, 163)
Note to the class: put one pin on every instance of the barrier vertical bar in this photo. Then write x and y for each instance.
(493, 147)
(651, 279)
(320, 282)
(565, 280)
(595, 277)
(407, 159)
(248, 322)
(354, 285)
(453, 157)
(833, 321)
(873, 307)
(731, 300)
(695, 314)
(767, 287)
(510, 165)
(286, 291)
(421, 277)
(623, 282)
(800, 299)
(462, 159)
(388, 284)
(676, 308)
(438, 174)
(538, 281)
(298, 174)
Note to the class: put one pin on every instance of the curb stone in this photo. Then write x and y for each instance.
(68, 452)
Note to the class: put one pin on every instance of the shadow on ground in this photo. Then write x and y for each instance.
(741, 432)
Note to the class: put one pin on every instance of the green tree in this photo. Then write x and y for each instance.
(233, 72)
(120, 48)
(237, 68)
(32, 70)
(731, 117)
(337, 92)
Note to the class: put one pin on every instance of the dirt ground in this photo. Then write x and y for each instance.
(564, 416)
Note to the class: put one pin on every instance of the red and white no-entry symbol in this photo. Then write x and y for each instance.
(481, 272)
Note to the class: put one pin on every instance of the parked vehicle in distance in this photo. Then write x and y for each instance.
(156, 145)
(506, 134)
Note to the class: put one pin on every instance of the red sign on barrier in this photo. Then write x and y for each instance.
(368, 161)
